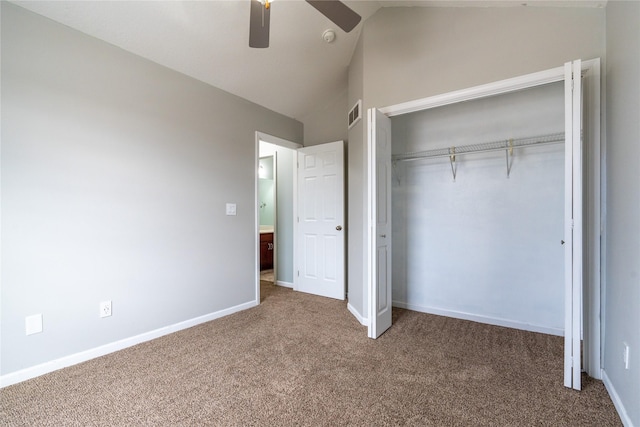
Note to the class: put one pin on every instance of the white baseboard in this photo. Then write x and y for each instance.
(613, 394)
(74, 359)
(363, 320)
(481, 319)
(285, 284)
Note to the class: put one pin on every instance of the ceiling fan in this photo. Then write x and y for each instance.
(339, 13)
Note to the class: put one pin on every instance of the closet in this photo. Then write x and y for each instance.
(484, 204)
(478, 209)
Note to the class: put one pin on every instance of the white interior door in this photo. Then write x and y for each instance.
(379, 223)
(573, 225)
(320, 229)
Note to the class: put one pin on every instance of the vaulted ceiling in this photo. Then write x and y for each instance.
(208, 40)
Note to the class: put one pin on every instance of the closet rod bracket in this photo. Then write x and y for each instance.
(509, 156)
(452, 160)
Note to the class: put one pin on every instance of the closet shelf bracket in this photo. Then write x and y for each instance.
(509, 155)
(452, 160)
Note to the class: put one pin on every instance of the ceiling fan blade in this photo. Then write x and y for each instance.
(259, 25)
(338, 12)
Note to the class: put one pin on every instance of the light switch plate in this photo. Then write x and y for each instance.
(33, 324)
(231, 209)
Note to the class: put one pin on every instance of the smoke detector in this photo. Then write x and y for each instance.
(329, 36)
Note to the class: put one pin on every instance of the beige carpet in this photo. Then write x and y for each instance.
(298, 359)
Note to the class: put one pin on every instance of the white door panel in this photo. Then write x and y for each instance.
(320, 232)
(573, 225)
(379, 223)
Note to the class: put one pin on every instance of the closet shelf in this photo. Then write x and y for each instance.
(507, 144)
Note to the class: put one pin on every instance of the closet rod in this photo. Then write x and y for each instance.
(482, 147)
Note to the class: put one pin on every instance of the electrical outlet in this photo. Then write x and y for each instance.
(105, 309)
(625, 355)
(33, 324)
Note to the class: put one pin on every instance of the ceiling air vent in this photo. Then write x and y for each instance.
(355, 113)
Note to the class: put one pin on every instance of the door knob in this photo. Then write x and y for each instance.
(339, 227)
(383, 236)
(562, 242)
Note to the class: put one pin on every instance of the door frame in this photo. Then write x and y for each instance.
(592, 207)
(261, 136)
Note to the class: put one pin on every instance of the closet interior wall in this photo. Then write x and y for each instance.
(484, 246)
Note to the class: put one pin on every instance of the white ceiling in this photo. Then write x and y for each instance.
(209, 41)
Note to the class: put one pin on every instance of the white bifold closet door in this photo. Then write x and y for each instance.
(379, 219)
(573, 224)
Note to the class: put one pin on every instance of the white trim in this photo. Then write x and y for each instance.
(284, 284)
(615, 398)
(578, 214)
(363, 320)
(83, 356)
(277, 141)
(256, 207)
(568, 226)
(496, 321)
(592, 301)
(482, 91)
(370, 265)
(295, 221)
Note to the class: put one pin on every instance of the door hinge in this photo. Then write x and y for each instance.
(298, 273)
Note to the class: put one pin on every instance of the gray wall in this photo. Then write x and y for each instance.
(328, 123)
(356, 208)
(622, 298)
(412, 53)
(286, 177)
(115, 175)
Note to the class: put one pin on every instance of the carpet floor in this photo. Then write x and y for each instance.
(298, 360)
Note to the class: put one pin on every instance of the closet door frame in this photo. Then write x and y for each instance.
(590, 303)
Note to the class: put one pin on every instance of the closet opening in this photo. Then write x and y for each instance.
(485, 205)
(478, 209)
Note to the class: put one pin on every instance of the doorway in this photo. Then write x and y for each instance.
(275, 189)
(308, 243)
(267, 187)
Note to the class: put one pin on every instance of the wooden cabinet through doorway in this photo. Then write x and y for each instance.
(266, 251)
